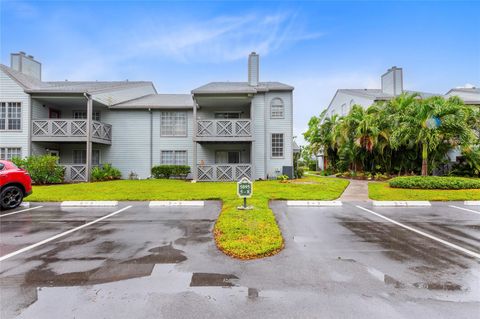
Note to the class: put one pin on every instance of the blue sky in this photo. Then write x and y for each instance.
(316, 46)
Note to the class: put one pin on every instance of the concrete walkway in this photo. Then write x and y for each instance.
(356, 191)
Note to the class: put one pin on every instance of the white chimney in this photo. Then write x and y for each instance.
(253, 69)
(26, 64)
(392, 81)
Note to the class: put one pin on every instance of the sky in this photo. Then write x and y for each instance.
(316, 46)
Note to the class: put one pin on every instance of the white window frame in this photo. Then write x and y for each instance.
(6, 108)
(277, 108)
(6, 152)
(272, 146)
(96, 116)
(93, 164)
(175, 119)
(174, 159)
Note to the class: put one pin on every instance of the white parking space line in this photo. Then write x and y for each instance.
(20, 211)
(466, 251)
(465, 209)
(62, 234)
(314, 203)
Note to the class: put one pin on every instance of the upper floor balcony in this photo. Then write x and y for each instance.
(70, 130)
(224, 130)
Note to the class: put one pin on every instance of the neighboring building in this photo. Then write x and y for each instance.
(470, 96)
(222, 130)
(391, 86)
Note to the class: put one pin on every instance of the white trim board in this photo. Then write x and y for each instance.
(169, 203)
(388, 203)
(314, 203)
(112, 203)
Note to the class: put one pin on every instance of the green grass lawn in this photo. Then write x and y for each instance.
(241, 234)
(381, 191)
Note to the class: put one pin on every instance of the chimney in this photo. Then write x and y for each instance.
(392, 81)
(253, 68)
(26, 64)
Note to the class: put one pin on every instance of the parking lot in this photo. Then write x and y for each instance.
(136, 261)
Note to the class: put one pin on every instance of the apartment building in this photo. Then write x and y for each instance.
(223, 130)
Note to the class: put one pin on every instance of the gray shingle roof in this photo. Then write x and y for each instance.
(158, 101)
(241, 87)
(468, 95)
(378, 95)
(33, 85)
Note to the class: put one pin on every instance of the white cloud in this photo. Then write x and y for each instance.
(181, 40)
(466, 86)
(219, 39)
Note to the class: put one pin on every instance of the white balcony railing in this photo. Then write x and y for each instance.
(224, 172)
(224, 128)
(70, 128)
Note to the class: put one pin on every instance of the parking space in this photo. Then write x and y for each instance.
(23, 227)
(161, 262)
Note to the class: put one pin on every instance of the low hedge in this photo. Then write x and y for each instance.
(166, 171)
(43, 169)
(434, 182)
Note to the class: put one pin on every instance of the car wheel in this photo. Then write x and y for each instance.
(11, 197)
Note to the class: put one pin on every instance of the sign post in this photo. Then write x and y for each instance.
(244, 190)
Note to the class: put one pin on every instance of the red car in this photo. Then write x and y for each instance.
(15, 184)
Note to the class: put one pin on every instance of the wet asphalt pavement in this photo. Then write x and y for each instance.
(338, 262)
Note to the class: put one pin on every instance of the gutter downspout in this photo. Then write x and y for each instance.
(151, 140)
(89, 135)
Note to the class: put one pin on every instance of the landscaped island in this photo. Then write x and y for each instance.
(241, 234)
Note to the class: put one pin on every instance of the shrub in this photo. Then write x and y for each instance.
(299, 172)
(282, 178)
(166, 171)
(312, 166)
(106, 172)
(434, 182)
(43, 169)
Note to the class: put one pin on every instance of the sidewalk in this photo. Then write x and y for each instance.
(356, 191)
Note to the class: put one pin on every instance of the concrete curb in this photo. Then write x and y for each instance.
(472, 203)
(314, 203)
(168, 203)
(112, 203)
(411, 203)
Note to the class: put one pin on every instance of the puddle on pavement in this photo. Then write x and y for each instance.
(438, 264)
(450, 286)
(160, 255)
(194, 231)
(212, 280)
(401, 245)
(388, 280)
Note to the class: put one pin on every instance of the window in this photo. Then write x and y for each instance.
(80, 157)
(276, 109)
(173, 158)
(10, 116)
(7, 153)
(83, 115)
(277, 145)
(227, 115)
(227, 157)
(173, 124)
(344, 109)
